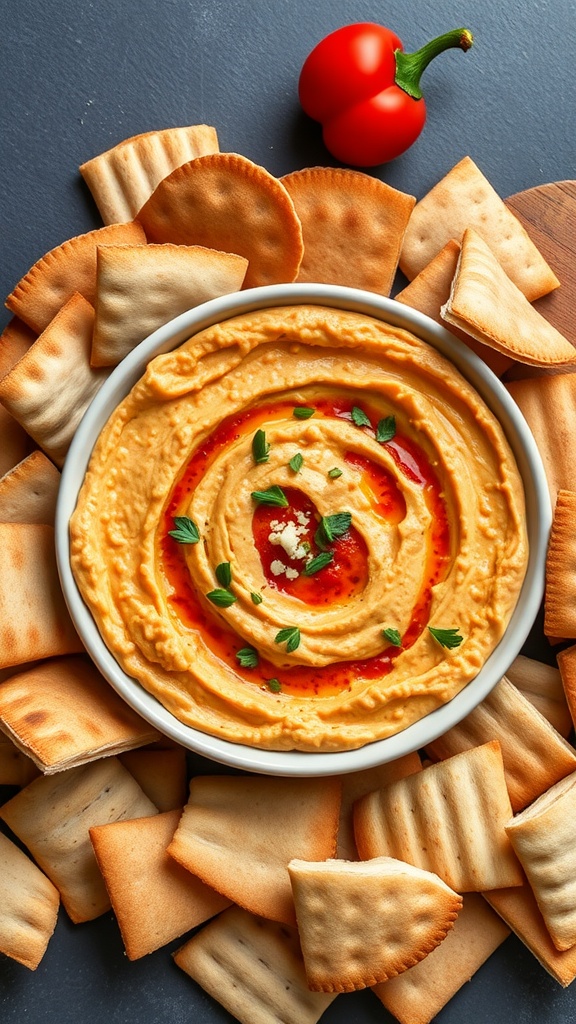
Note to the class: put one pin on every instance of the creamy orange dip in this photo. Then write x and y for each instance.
(302, 529)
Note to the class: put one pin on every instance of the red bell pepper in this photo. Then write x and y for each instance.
(365, 90)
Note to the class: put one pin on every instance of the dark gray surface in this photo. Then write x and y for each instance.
(75, 78)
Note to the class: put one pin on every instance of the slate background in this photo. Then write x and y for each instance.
(77, 77)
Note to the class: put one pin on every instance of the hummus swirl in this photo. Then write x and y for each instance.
(239, 634)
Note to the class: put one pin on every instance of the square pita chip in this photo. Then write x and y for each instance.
(465, 198)
(29, 490)
(28, 906)
(543, 400)
(543, 685)
(161, 774)
(358, 784)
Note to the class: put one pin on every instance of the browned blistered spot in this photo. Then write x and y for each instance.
(35, 717)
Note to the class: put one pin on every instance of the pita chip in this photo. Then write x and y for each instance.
(63, 713)
(52, 816)
(567, 666)
(543, 400)
(393, 912)
(34, 620)
(352, 224)
(226, 202)
(417, 995)
(560, 594)
(154, 899)
(125, 176)
(29, 490)
(161, 774)
(15, 341)
(487, 304)
(465, 198)
(141, 287)
(358, 784)
(519, 909)
(57, 364)
(29, 905)
(271, 821)
(254, 969)
(69, 268)
(16, 769)
(542, 685)
(15, 441)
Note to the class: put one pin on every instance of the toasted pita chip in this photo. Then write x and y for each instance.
(543, 400)
(352, 225)
(161, 774)
(518, 908)
(560, 595)
(448, 818)
(52, 816)
(465, 198)
(542, 685)
(417, 995)
(15, 341)
(15, 442)
(69, 268)
(226, 202)
(141, 287)
(567, 665)
(393, 912)
(544, 838)
(154, 899)
(16, 769)
(535, 756)
(124, 177)
(57, 364)
(358, 784)
(28, 906)
(254, 968)
(34, 621)
(29, 490)
(430, 289)
(63, 713)
(271, 820)
(486, 304)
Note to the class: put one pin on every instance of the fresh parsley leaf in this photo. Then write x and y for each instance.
(260, 447)
(303, 412)
(186, 531)
(274, 685)
(247, 657)
(393, 636)
(386, 429)
(448, 638)
(334, 473)
(336, 525)
(320, 562)
(296, 462)
(222, 598)
(359, 417)
(289, 635)
(256, 598)
(272, 496)
(224, 574)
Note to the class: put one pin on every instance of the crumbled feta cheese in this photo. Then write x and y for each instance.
(287, 536)
(277, 567)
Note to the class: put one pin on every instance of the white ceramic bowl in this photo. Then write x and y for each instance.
(538, 512)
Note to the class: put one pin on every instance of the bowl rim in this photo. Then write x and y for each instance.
(495, 395)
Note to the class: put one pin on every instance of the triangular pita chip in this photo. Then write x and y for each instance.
(271, 820)
(550, 402)
(391, 911)
(34, 621)
(141, 287)
(226, 202)
(29, 490)
(124, 177)
(58, 365)
(63, 713)
(28, 906)
(544, 686)
(352, 224)
(487, 304)
(518, 908)
(69, 268)
(155, 900)
(560, 595)
(465, 198)
(254, 969)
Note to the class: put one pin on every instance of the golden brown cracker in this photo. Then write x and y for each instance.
(29, 490)
(29, 905)
(560, 594)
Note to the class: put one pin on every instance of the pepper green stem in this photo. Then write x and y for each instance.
(410, 66)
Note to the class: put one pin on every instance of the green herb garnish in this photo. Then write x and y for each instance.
(247, 657)
(320, 562)
(274, 685)
(336, 525)
(224, 574)
(393, 636)
(260, 447)
(386, 429)
(359, 417)
(256, 598)
(334, 473)
(272, 496)
(289, 635)
(449, 638)
(186, 531)
(296, 462)
(222, 598)
(303, 412)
